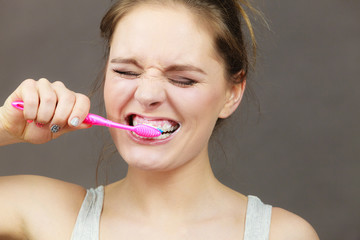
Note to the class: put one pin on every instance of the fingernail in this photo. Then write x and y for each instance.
(29, 121)
(55, 128)
(40, 125)
(75, 122)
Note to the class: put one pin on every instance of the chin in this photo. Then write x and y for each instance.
(156, 164)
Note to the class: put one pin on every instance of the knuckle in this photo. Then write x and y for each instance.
(67, 100)
(83, 98)
(58, 84)
(32, 103)
(69, 97)
(43, 80)
(28, 82)
(48, 98)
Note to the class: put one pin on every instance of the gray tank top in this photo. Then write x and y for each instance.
(257, 222)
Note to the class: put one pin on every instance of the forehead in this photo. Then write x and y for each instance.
(165, 33)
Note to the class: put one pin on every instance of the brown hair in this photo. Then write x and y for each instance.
(223, 18)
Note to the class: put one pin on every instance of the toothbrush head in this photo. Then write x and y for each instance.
(147, 131)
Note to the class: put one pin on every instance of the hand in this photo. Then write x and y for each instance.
(45, 105)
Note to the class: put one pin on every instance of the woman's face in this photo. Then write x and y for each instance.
(163, 71)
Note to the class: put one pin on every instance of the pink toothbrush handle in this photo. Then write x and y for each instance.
(18, 105)
(93, 119)
(141, 129)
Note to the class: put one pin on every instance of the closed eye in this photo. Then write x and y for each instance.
(182, 82)
(127, 74)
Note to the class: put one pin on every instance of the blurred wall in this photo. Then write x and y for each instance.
(301, 153)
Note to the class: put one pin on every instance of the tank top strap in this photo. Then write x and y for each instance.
(88, 221)
(257, 221)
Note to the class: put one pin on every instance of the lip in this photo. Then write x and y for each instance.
(145, 141)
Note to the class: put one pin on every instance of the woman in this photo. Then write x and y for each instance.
(176, 65)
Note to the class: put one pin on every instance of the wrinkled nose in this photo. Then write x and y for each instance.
(150, 93)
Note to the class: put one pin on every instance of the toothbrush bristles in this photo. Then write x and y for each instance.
(147, 131)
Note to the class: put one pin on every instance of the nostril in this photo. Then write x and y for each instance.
(154, 104)
(150, 93)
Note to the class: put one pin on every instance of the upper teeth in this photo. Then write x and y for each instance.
(164, 125)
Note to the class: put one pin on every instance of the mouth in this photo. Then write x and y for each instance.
(168, 127)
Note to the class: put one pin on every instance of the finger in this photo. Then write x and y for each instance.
(29, 94)
(65, 105)
(48, 100)
(80, 110)
(14, 120)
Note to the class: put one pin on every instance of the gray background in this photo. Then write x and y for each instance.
(301, 152)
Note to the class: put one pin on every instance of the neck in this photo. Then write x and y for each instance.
(177, 191)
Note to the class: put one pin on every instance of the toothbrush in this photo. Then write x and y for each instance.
(93, 119)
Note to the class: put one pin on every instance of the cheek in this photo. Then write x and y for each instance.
(204, 103)
(116, 94)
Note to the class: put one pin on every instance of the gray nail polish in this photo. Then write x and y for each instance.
(55, 128)
(75, 122)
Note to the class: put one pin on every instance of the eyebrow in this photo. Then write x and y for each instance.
(126, 61)
(186, 67)
(171, 68)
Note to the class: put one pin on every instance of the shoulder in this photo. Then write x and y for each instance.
(287, 225)
(41, 201)
(32, 189)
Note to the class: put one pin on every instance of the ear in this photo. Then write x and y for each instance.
(234, 95)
